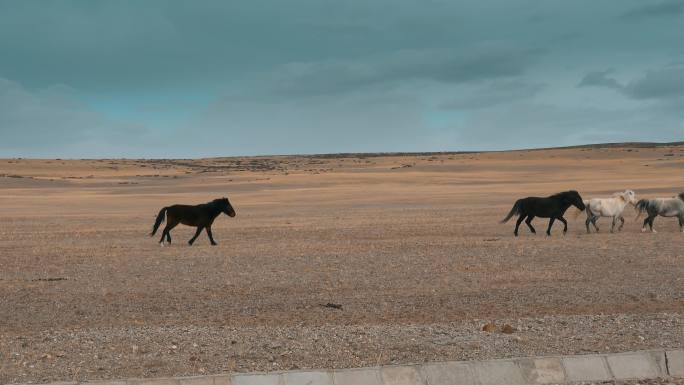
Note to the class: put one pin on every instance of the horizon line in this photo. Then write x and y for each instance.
(383, 153)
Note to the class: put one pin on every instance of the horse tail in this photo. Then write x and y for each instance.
(640, 207)
(160, 219)
(514, 211)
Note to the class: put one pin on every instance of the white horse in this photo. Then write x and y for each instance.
(609, 207)
(665, 207)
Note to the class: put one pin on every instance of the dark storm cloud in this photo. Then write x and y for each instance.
(668, 8)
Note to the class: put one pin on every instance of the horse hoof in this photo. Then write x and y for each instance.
(161, 244)
(653, 231)
(214, 244)
(643, 230)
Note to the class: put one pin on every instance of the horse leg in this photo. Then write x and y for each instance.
(163, 236)
(211, 237)
(646, 222)
(586, 223)
(197, 233)
(528, 222)
(170, 224)
(622, 222)
(517, 224)
(565, 224)
(612, 227)
(650, 223)
(595, 219)
(681, 223)
(548, 231)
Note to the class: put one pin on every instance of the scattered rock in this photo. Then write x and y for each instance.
(489, 328)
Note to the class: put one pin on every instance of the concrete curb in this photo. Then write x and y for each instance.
(640, 365)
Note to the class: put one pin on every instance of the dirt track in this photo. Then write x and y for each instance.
(410, 246)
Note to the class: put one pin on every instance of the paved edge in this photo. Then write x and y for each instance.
(638, 365)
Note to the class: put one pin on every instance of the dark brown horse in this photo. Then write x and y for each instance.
(200, 216)
(550, 207)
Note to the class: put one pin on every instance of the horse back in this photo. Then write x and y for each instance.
(187, 214)
(543, 207)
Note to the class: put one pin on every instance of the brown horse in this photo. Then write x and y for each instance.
(200, 216)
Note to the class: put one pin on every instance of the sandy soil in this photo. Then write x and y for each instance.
(657, 381)
(410, 246)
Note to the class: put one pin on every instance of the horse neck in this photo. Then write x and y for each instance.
(621, 201)
(215, 210)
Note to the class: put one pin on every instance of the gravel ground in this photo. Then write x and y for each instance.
(655, 381)
(177, 351)
(414, 256)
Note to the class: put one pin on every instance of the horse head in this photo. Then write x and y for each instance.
(226, 207)
(630, 197)
(573, 197)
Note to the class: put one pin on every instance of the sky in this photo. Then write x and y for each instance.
(169, 79)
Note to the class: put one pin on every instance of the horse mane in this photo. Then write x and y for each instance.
(214, 203)
(563, 193)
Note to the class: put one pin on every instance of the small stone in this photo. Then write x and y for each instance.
(489, 328)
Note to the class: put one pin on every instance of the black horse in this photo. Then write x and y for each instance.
(200, 216)
(550, 207)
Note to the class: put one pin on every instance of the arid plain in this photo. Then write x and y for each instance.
(410, 246)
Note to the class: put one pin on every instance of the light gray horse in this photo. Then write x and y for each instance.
(665, 207)
(609, 207)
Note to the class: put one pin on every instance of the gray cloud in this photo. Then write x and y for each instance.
(666, 83)
(494, 93)
(667, 8)
(600, 79)
(662, 84)
(489, 60)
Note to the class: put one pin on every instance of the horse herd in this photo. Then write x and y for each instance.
(553, 207)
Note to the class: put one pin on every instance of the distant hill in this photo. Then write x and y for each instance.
(579, 146)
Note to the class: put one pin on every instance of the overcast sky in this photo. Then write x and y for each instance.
(216, 78)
